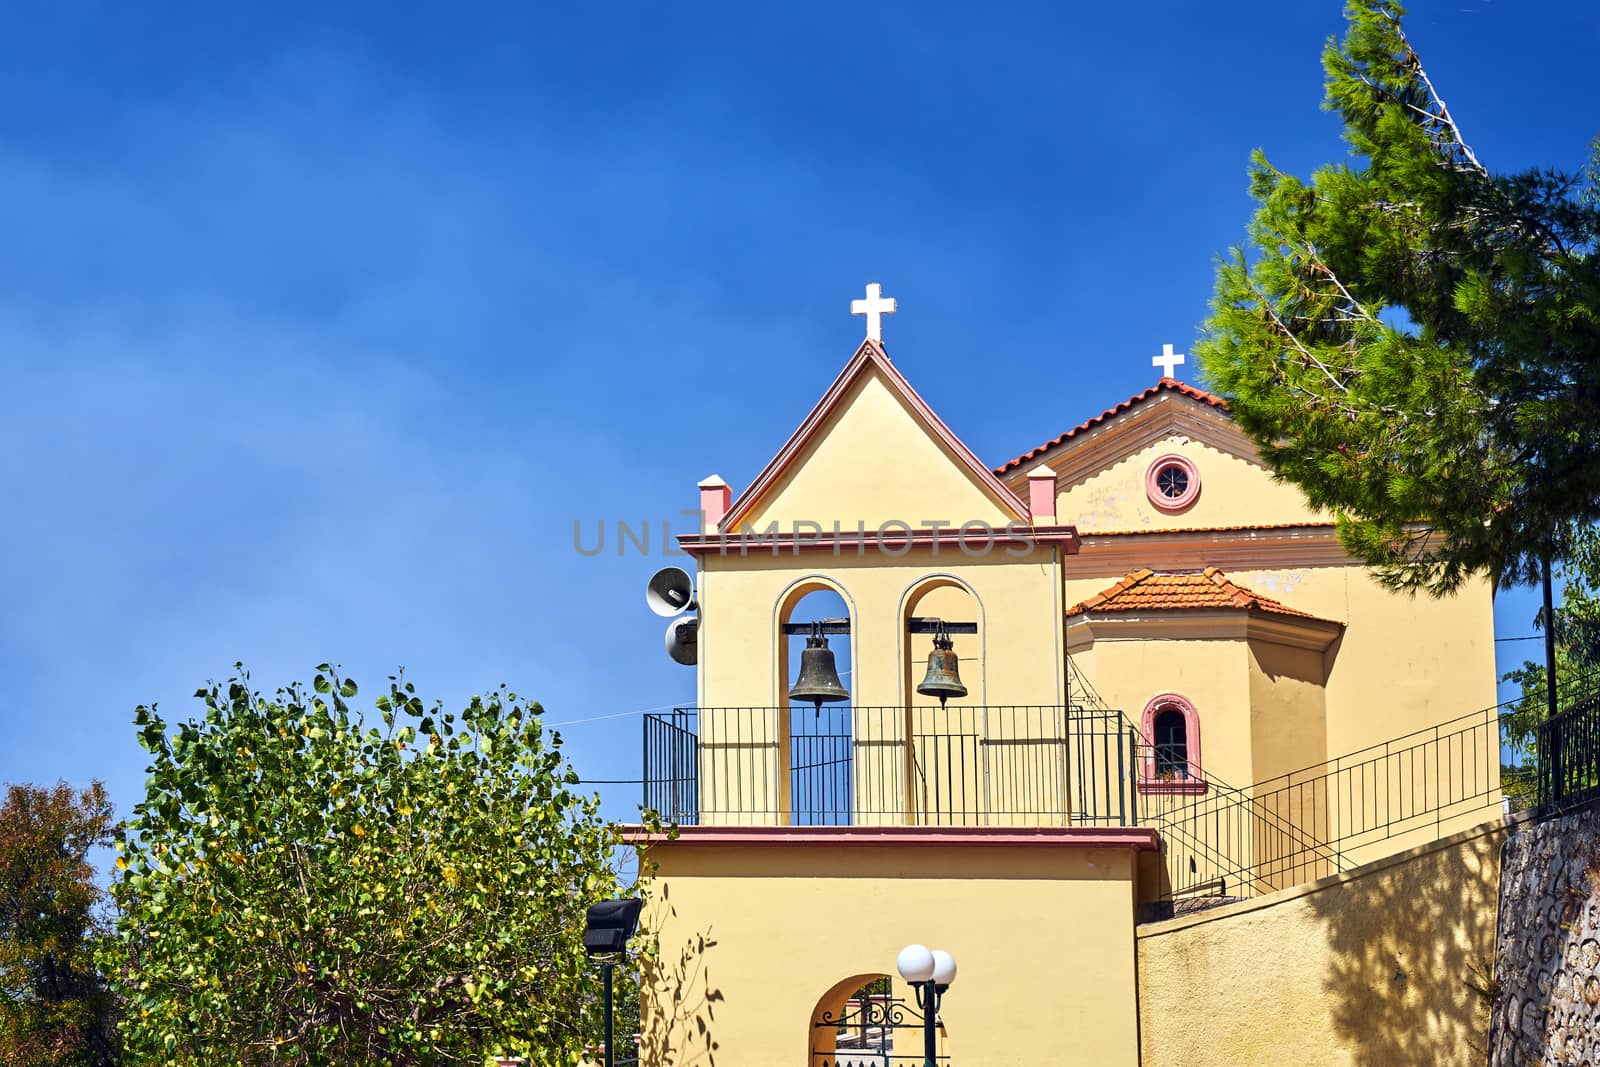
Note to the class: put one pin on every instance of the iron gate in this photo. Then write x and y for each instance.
(875, 1031)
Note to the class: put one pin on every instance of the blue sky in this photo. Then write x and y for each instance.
(320, 326)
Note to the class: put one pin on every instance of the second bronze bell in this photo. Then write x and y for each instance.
(943, 679)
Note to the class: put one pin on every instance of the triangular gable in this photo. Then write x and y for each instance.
(1168, 406)
(1102, 467)
(868, 362)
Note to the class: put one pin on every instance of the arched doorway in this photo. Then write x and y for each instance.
(860, 1022)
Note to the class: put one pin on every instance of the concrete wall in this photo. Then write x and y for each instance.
(756, 938)
(1369, 968)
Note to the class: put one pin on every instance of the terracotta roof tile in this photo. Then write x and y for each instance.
(1145, 590)
(1170, 384)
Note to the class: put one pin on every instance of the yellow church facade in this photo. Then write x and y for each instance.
(1178, 698)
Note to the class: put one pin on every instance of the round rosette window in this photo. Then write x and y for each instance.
(1172, 483)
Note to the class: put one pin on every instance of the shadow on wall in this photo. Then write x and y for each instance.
(677, 1028)
(1407, 946)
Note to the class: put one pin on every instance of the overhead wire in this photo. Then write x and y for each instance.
(624, 715)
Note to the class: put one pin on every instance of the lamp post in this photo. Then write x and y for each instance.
(607, 927)
(930, 972)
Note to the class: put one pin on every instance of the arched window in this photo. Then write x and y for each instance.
(1172, 745)
(1172, 762)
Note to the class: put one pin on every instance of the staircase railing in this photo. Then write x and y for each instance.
(1079, 765)
(1327, 817)
(1568, 746)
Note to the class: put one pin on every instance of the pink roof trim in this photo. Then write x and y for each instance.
(1164, 385)
(1140, 838)
(869, 354)
(730, 544)
(1245, 528)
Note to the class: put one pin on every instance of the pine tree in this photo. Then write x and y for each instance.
(1415, 340)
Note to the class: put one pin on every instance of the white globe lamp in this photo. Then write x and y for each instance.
(944, 968)
(916, 963)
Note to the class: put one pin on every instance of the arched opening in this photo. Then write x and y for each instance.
(1171, 762)
(854, 1023)
(816, 740)
(946, 769)
(1172, 745)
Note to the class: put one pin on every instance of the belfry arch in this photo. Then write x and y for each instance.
(815, 742)
(944, 761)
(805, 600)
(950, 598)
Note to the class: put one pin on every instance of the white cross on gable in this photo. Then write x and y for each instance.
(874, 307)
(1167, 360)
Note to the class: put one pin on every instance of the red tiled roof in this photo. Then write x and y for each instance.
(1145, 590)
(1164, 384)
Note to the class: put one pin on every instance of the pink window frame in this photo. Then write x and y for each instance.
(1148, 782)
(1153, 491)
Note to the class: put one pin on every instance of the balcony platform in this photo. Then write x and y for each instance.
(1139, 838)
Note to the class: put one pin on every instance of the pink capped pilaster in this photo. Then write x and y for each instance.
(1042, 495)
(715, 497)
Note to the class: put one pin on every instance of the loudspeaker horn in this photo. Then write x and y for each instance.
(683, 641)
(670, 592)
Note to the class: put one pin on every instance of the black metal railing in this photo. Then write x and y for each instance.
(1326, 817)
(1080, 765)
(844, 765)
(672, 767)
(1568, 745)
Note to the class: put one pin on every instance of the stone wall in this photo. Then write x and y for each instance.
(1547, 959)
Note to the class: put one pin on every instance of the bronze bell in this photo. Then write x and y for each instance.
(943, 679)
(819, 675)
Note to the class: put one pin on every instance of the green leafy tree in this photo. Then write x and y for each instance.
(1414, 341)
(55, 1009)
(303, 886)
(1577, 634)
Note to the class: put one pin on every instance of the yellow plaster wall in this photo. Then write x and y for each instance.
(1213, 674)
(1291, 819)
(751, 940)
(1406, 663)
(1260, 709)
(874, 462)
(1365, 969)
(1015, 659)
(1288, 709)
(1232, 491)
(1402, 664)
(1015, 596)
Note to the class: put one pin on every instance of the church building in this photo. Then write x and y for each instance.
(1116, 723)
